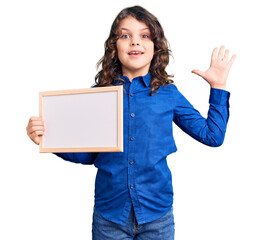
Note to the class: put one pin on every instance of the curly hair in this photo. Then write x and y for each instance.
(111, 66)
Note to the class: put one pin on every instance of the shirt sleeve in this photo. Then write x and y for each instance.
(210, 131)
(81, 157)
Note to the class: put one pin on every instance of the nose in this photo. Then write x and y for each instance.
(135, 41)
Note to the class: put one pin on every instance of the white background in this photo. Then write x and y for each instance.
(54, 45)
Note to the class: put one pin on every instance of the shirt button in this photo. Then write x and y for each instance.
(131, 94)
(132, 138)
(131, 186)
(131, 162)
(132, 114)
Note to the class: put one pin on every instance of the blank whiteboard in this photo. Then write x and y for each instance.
(82, 120)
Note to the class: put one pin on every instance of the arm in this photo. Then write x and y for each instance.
(210, 131)
(81, 157)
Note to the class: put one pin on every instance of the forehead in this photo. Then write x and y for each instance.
(132, 24)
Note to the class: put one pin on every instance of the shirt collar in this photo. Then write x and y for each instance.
(146, 79)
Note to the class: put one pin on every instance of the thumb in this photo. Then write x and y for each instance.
(198, 72)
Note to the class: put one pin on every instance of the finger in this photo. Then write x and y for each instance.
(35, 137)
(221, 52)
(214, 54)
(198, 72)
(36, 123)
(36, 140)
(36, 128)
(39, 133)
(35, 119)
(226, 55)
(231, 61)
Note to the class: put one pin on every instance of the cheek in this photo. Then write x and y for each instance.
(151, 49)
(119, 49)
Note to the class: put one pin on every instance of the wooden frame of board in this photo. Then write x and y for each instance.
(82, 120)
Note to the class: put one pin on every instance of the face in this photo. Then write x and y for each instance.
(135, 49)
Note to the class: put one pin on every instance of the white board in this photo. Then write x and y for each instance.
(82, 120)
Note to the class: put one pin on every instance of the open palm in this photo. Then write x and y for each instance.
(219, 68)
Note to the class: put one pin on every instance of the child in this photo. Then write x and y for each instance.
(133, 189)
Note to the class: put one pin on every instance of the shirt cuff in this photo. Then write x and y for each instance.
(219, 97)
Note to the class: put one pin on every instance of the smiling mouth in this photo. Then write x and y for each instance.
(135, 53)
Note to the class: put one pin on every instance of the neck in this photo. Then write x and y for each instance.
(132, 75)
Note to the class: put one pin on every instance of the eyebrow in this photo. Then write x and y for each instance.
(140, 29)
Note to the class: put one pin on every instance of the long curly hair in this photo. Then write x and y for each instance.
(110, 64)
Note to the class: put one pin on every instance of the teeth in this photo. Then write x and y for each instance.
(134, 52)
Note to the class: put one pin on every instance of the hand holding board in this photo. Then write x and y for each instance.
(82, 120)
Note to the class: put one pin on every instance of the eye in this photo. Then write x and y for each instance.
(125, 36)
(145, 36)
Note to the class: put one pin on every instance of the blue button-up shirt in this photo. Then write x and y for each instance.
(140, 175)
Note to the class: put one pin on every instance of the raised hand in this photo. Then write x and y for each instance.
(219, 68)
